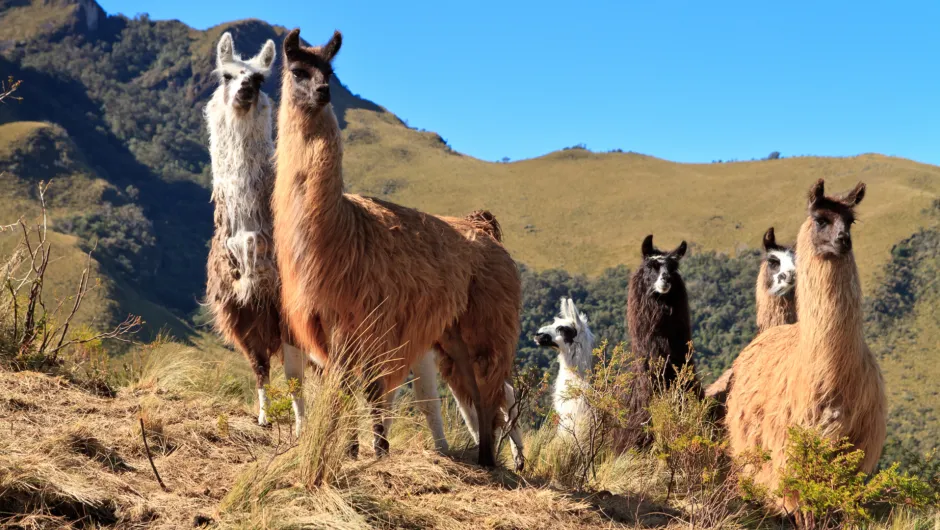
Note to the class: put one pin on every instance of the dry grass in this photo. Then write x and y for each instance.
(68, 458)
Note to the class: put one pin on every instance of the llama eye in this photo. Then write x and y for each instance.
(821, 222)
(773, 261)
(228, 77)
(300, 73)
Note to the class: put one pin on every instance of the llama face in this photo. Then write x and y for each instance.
(309, 70)
(240, 80)
(568, 333)
(660, 269)
(832, 220)
(781, 265)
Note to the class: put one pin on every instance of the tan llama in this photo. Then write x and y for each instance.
(817, 373)
(776, 295)
(242, 289)
(776, 301)
(386, 282)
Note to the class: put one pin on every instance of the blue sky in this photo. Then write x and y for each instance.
(689, 81)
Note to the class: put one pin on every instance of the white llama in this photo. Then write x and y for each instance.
(571, 336)
(242, 290)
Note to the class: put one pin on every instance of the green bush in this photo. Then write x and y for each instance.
(832, 493)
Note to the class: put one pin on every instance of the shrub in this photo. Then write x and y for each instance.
(822, 474)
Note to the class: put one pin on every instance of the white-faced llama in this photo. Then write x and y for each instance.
(817, 373)
(388, 281)
(242, 288)
(571, 336)
(776, 301)
(660, 330)
(776, 296)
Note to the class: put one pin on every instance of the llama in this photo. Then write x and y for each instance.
(389, 282)
(242, 287)
(776, 301)
(817, 373)
(776, 296)
(660, 332)
(658, 310)
(570, 334)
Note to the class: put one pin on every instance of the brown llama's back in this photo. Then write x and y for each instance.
(388, 262)
(485, 221)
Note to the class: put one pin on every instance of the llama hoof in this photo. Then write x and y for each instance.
(353, 450)
(520, 464)
(381, 447)
(441, 446)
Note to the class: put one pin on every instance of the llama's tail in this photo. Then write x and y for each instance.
(486, 222)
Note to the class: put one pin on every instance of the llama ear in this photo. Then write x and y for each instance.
(573, 313)
(855, 196)
(225, 51)
(267, 55)
(292, 42)
(817, 192)
(770, 240)
(330, 49)
(680, 250)
(647, 247)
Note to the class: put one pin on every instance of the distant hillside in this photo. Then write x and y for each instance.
(112, 112)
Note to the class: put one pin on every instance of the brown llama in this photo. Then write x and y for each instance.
(776, 302)
(776, 296)
(242, 289)
(817, 373)
(660, 330)
(388, 282)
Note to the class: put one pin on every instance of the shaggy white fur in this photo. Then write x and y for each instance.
(572, 337)
(242, 148)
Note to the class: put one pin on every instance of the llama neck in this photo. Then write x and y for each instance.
(310, 151)
(829, 299)
(241, 148)
(578, 358)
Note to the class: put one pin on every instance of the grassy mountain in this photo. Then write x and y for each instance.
(129, 93)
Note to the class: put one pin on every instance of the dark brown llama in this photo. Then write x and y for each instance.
(660, 332)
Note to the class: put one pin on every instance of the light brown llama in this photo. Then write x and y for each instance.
(388, 282)
(776, 302)
(817, 373)
(242, 289)
(775, 293)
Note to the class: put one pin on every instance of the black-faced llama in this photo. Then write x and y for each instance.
(570, 335)
(817, 373)
(242, 290)
(776, 300)
(388, 281)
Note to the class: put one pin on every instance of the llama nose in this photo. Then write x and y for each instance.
(323, 93)
(845, 240)
(544, 339)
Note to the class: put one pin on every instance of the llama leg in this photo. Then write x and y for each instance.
(379, 399)
(261, 365)
(511, 413)
(469, 413)
(427, 398)
(294, 369)
(455, 347)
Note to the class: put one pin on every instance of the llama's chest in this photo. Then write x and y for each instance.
(567, 385)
